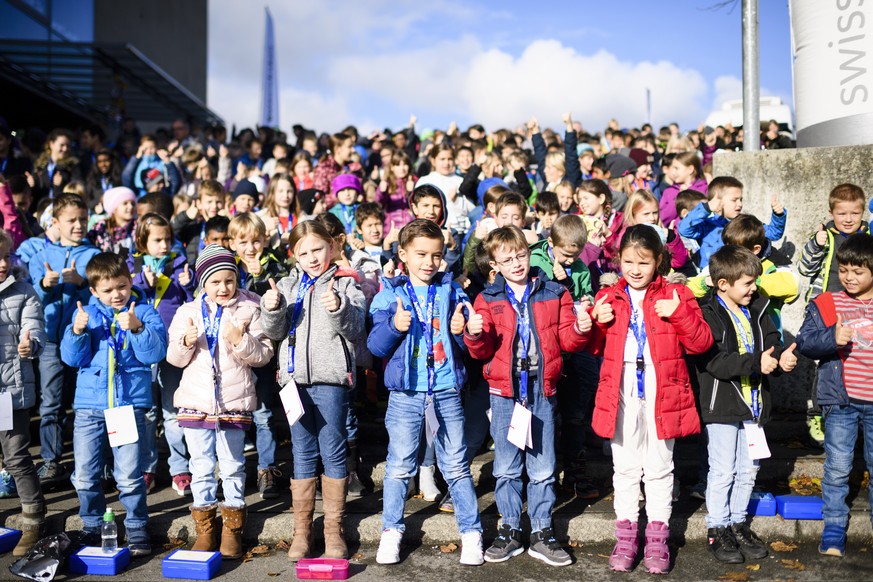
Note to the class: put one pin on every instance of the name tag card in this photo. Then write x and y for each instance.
(520, 427)
(291, 403)
(756, 441)
(431, 424)
(121, 426)
(5, 411)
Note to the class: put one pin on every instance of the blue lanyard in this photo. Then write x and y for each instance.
(212, 327)
(748, 345)
(116, 344)
(243, 277)
(202, 238)
(348, 217)
(106, 184)
(306, 283)
(552, 256)
(426, 323)
(523, 330)
(639, 330)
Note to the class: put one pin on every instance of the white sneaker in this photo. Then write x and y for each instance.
(389, 547)
(427, 484)
(471, 549)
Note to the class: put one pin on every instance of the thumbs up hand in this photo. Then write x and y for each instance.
(25, 347)
(329, 299)
(583, 318)
(788, 361)
(768, 362)
(80, 322)
(185, 276)
(71, 275)
(233, 334)
(128, 321)
(558, 271)
(843, 334)
(51, 278)
(475, 324)
(271, 299)
(192, 334)
(403, 318)
(667, 307)
(149, 276)
(602, 312)
(458, 321)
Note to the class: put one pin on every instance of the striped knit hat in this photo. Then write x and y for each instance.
(212, 259)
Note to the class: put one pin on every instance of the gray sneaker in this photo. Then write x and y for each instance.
(544, 546)
(506, 545)
(51, 473)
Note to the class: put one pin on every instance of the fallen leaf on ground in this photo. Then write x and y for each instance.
(805, 485)
(602, 556)
(793, 564)
(780, 546)
(359, 556)
(735, 576)
(259, 550)
(283, 545)
(753, 567)
(174, 543)
(273, 573)
(575, 544)
(448, 548)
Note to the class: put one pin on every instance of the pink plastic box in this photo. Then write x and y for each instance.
(322, 569)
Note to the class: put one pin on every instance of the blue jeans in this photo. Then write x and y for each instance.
(539, 461)
(321, 432)
(52, 410)
(404, 420)
(841, 432)
(731, 475)
(352, 415)
(265, 387)
(208, 446)
(169, 377)
(89, 435)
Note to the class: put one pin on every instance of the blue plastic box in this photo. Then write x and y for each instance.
(799, 506)
(8, 539)
(92, 560)
(762, 504)
(191, 565)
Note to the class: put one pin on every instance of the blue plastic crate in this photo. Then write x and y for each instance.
(92, 560)
(762, 504)
(191, 565)
(8, 539)
(799, 506)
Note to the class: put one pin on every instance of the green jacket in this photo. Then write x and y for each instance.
(579, 281)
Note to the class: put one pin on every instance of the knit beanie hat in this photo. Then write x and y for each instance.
(245, 188)
(308, 199)
(114, 197)
(213, 259)
(344, 181)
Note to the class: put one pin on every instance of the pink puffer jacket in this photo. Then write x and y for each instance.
(234, 364)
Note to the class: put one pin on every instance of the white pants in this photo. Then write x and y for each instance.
(637, 452)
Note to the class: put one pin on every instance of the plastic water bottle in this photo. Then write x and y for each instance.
(109, 533)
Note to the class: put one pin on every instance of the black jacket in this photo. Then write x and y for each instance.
(719, 370)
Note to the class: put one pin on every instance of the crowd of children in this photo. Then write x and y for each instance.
(514, 283)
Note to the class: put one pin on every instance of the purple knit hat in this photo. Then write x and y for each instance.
(213, 259)
(346, 181)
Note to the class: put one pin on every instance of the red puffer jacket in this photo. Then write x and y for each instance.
(553, 323)
(684, 332)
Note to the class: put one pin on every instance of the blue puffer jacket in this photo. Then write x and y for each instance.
(386, 342)
(60, 300)
(817, 340)
(90, 353)
(176, 294)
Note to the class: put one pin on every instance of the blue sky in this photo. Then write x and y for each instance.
(374, 63)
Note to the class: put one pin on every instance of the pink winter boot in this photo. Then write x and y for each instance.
(625, 551)
(657, 554)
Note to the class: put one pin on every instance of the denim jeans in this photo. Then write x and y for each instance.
(208, 446)
(89, 436)
(404, 420)
(321, 432)
(169, 377)
(265, 387)
(17, 460)
(731, 475)
(352, 415)
(841, 433)
(509, 461)
(54, 375)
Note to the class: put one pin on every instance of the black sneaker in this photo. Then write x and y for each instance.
(267, 486)
(505, 546)
(749, 543)
(51, 473)
(138, 543)
(585, 489)
(723, 545)
(544, 546)
(91, 536)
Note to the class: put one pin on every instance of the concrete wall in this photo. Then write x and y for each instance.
(802, 178)
(172, 34)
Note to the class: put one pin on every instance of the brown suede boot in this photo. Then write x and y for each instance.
(206, 527)
(334, 493)
(32, 527)
(303, 502)
(233, 521)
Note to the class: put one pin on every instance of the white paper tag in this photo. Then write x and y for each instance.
(431, 424)
(121, 425)
(5, 411)
(756, 440)
(191, 556)
(519, 427)
(291, 403)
